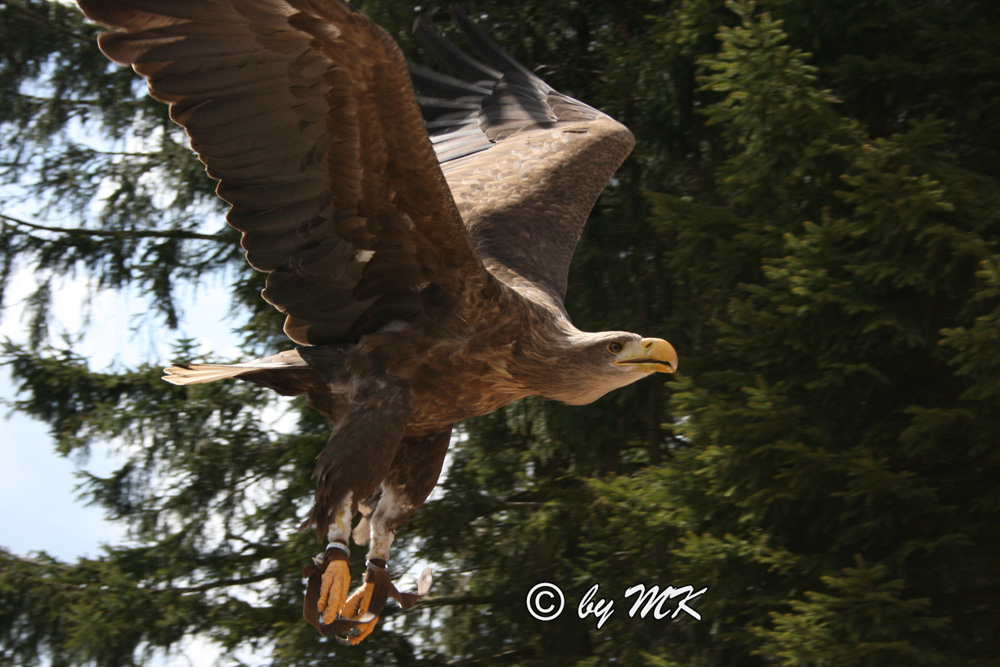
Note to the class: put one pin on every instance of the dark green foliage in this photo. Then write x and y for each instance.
(810, 216)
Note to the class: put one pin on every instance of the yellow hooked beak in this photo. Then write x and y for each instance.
(652, 355)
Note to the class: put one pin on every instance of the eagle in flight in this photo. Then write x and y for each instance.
(418, 246)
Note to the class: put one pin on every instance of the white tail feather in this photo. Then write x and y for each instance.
(202, 373)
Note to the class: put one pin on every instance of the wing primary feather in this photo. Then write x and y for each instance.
(475, 131)
(451, 122)
(442, 84)
(522, 137)
(459, 61)
(489, 50)
(461, 104)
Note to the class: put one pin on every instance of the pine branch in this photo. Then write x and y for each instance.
(504, 657)
(225, 583)
(50, 566)
(48, 22)
(455, 600)
(72, 102)
(141, 234)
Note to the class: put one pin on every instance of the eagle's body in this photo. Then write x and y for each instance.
(419, 249)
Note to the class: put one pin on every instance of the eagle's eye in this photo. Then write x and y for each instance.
(614, 347)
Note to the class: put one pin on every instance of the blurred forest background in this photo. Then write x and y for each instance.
(810, 216)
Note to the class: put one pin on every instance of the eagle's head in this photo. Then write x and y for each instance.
(592, 364)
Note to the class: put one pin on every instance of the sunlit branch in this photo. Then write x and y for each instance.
(54, 26)
(142, 234)
(65, 101)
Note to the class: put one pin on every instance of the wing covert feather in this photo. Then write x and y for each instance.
(524, 162)
(305, 112)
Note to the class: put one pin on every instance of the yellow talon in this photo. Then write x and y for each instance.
(357, 605)
(355, 609)
(333, 591)
(363, 631)
(327, 608)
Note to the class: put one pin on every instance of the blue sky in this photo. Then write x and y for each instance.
(42, 511)
(40, 508)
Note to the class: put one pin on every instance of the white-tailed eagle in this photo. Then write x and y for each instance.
(419, 247)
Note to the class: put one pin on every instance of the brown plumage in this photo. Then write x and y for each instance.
(419, 249)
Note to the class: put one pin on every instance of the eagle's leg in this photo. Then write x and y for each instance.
(357, 457)
(336, 580)
(369, 599)
(414, 472)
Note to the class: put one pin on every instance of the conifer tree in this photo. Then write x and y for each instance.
(828, 493)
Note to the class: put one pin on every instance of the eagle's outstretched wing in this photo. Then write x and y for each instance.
(303, 109)
(524, 162)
